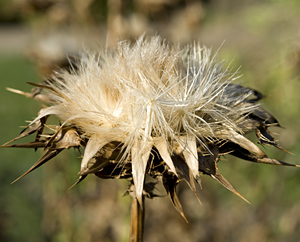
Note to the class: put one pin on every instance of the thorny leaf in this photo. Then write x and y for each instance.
(80, 179)
(263, 117)
(185, 173)
(100, 164)
(65, 138)
(208, 165)
(149, 190)
(236, 90)
(217, 176)
(170, 182)
(46, 157)
(35, 145)
(207, 160)
(264, 137)
(238, 151)
(249, 125)
(115, 171)
(36, 93)
(241, 141)
(37, 127)
(46, 85)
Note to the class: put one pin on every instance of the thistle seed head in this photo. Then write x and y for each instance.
(150, 108)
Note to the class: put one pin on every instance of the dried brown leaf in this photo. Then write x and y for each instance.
(218, 177)
(35, 145)
(170, 182)
(208, 165)
(241, 141)
(80, 179)
(238, 151)
(65, 138)
(263, 117)
(38, 127)
(185, 173)
(46, 157)
(264, 137)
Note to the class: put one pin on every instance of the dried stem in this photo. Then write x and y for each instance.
(137, 220)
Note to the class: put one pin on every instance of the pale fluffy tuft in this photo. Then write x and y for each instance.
(148, 94)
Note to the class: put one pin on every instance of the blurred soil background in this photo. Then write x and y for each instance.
(261, 37)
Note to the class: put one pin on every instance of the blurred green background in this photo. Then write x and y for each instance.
(261, 37)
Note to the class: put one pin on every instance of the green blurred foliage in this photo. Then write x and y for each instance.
(260, 36)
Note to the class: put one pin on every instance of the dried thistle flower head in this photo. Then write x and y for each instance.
(149, 108)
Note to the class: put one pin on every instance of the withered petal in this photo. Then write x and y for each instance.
(189, 151)
(139, 158)
(94, 145)
(162, 148)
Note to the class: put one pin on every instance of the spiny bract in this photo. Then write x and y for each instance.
(150, 108)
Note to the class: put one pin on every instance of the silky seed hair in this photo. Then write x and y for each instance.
(152, 108)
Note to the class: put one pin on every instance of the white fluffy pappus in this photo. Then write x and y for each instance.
(150, 94)
(150, 108)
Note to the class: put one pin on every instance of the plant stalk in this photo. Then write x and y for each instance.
(137, 220)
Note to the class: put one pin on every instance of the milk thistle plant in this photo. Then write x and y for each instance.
(149, 109)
